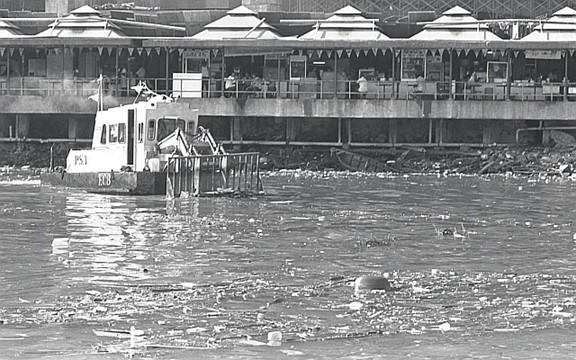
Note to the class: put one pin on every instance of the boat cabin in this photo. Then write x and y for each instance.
(125, 137)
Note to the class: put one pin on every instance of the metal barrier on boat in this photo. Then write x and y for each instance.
(211, 175)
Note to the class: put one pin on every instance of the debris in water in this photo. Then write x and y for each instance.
(196, 330)
(275, 338)
(251, 342)
(289, 352)
(444, 327)
(119, 334)
(368, 283)
(355, 306)
(185, 317)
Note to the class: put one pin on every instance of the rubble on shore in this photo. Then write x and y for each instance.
(516, 160)
(530, 162)
(35, 154)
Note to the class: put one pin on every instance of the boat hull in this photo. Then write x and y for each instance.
(133, 183)
(357, 162)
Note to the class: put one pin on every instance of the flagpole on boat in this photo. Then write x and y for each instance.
(100, 93)
(99, 96)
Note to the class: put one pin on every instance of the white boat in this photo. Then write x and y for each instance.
(155, 146)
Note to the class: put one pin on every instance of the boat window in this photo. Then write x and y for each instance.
(113, 135)
(122, 133)
(151, 129)
(103, 135)
(166, 126)
(140, 132)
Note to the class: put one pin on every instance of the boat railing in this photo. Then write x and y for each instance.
(206, 175)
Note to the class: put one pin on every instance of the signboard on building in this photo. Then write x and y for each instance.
(543, 54)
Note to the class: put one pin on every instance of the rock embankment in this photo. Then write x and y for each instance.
(533, 161)
(35, 154)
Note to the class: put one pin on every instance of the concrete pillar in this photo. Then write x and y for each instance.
(22, 126)
(490, 131)
(546, 139)
(4, 126)
(440, 131)
(509, 77)
(291, 130)
(447, 131)
(73, 128)
(393, 131)
(236, 129)
(348, 132)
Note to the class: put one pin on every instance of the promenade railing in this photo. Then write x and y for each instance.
(299, 89)
(382, 90)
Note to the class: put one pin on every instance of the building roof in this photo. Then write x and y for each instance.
(347, 23)
(82, 22)
(85, 10)
(456, 11)
(239, 23)
(455, 24)
(560, 27)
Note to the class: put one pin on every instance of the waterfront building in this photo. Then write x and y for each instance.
(340, 82)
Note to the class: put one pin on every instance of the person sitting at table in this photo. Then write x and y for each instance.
(249, 85)
(256, 83)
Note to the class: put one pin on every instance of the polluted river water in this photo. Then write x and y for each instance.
(480, 268)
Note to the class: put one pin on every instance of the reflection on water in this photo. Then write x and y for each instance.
(506, 261)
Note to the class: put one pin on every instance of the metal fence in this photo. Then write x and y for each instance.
(38, 86)
(210, 175)
(520, 90)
